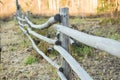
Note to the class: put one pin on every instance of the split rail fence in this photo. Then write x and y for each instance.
(61, 44)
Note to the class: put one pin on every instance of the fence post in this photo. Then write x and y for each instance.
(65, 42)
(18, 9)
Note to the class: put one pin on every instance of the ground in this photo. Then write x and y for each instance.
(16, 48)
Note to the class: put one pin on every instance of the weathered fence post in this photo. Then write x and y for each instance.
(18, 9)
(65, 42)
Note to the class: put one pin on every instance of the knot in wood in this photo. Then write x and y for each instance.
(61, 69)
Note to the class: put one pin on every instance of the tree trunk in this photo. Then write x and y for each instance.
(39, 5)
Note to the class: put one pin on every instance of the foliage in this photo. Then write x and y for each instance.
(112, 21)
(105, 6)
(29, 60)
(1, 2)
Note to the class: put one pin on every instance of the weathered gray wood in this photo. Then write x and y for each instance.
(27, 14)
(21, 19)
(23, 30)
(65, 42)
(61, 75)
(41, 26)
(82, 74)
(105, 44)
(18, 9)
(21, 24)
(39, 51)
(17, 5)
(50, 41)
(42, 54)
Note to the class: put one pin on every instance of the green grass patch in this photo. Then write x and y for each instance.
(38, 20)
(12, 48)
(77, 21)
(81, 51)
(114, 36)
(111, 21)
(30, 60)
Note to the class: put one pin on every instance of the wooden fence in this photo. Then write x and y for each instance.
(61, 44)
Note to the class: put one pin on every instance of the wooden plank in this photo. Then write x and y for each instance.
(23, 30)
(82, 74)
(21, 19)
(105, 44)
(21, 24)
(41, 26)
(61, 75)
(65, 42)
(18, 9)
(50, 41)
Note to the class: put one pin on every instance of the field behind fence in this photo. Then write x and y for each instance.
(62, 42)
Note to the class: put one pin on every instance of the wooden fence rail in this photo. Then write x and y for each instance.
(50, 41)
(45, 25)
(108, 45)
(82, 74)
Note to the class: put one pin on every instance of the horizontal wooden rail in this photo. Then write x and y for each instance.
(21, 24)
(108, 45)
(50, 41)
(61, 75)
(82, 74)
(41, 26)
(21, 19)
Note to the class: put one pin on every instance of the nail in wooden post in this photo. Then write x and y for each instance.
(65, 42)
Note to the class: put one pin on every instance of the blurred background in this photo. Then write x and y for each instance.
(19, 61)
(51, 7)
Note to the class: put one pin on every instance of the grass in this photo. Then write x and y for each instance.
(29, 60)
(82, 51)
(12, 48)
(111, 21)
(79, 52)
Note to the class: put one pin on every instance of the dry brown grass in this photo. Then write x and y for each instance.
(15, 49)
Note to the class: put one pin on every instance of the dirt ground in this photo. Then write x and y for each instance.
(16, 47)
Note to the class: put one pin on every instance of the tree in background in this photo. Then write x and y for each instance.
(109, 6)
(1, 2)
